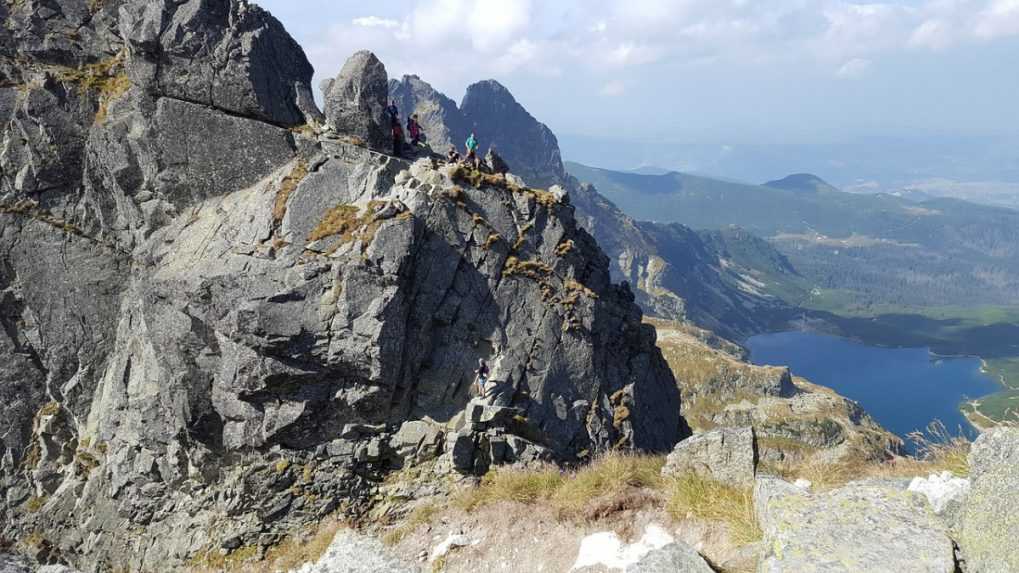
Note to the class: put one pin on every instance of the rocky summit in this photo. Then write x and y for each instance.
(228, 315)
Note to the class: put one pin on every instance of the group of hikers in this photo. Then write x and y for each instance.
(417, 138)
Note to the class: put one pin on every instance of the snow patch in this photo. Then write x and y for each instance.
(453, 541)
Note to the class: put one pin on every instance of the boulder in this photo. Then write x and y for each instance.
(728, 455)
(418, 440)
(352, 552)
(355, 101)
(990, 519)
(655, 552)
(946, 493)
(675, 557)
(859, 527)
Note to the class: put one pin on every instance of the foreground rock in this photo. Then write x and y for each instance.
(990, 519)
(865, 526)
(794, 421)
(655, 552)
(352, 552)
(728, 455)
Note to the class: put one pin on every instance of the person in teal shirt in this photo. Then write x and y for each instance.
(472, 150)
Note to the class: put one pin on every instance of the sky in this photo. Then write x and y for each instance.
(698, 71)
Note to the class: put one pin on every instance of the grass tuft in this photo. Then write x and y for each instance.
(420, 515)
(696, 496)
(287, 187)
(569, 492)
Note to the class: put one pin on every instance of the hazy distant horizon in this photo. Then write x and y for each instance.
(783, 71)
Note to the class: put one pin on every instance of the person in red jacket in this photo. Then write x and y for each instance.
(414, 130)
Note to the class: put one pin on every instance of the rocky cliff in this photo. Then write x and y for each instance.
(675, 272)
(224, 323)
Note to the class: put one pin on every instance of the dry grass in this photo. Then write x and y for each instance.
(294, 551)
(490, 242)
(478, 179)
(419, 516)
(565, 247)
(106, 78)
(695, 496)
(568, 492)
(942, 451)
(533, 269)
(287, 187)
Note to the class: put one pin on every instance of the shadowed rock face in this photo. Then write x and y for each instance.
(217, 325)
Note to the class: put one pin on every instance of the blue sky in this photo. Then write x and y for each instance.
(699, 71)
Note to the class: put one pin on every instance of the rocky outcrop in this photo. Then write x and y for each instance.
(865, 526)
(990, 522)
(220, 324)
(794, 421)
(728, 455)
(355, 100)
(675, 272)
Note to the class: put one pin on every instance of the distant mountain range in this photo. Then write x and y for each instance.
(860, 249)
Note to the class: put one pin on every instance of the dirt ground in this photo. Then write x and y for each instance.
(512, 537)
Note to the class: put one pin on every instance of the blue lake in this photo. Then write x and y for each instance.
(904, 389)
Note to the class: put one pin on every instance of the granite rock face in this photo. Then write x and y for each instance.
(865, 526)
(990, 521)
(221, 328)
(728, 455)
(355, 100)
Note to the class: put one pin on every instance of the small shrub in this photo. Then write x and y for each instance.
(703, 498)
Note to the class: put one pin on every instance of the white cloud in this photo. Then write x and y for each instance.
(999, 20)
(375, 22)
(854, 68)
(933, 34)
(457, 41)
(613, 89)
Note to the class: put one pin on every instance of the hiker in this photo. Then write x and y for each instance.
(414, 130)
(393, 113)
(397, 139)
(453, 156)
(472, 151)
(482, 377)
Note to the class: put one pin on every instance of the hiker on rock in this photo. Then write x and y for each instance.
(482, 377)
(397, 139)
(453, 156)
(393, 112)
(414, 130)
(472, 151)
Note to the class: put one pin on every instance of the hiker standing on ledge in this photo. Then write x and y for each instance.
(397, 139)
(482, 377)
(472, 151)
(392, 112)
